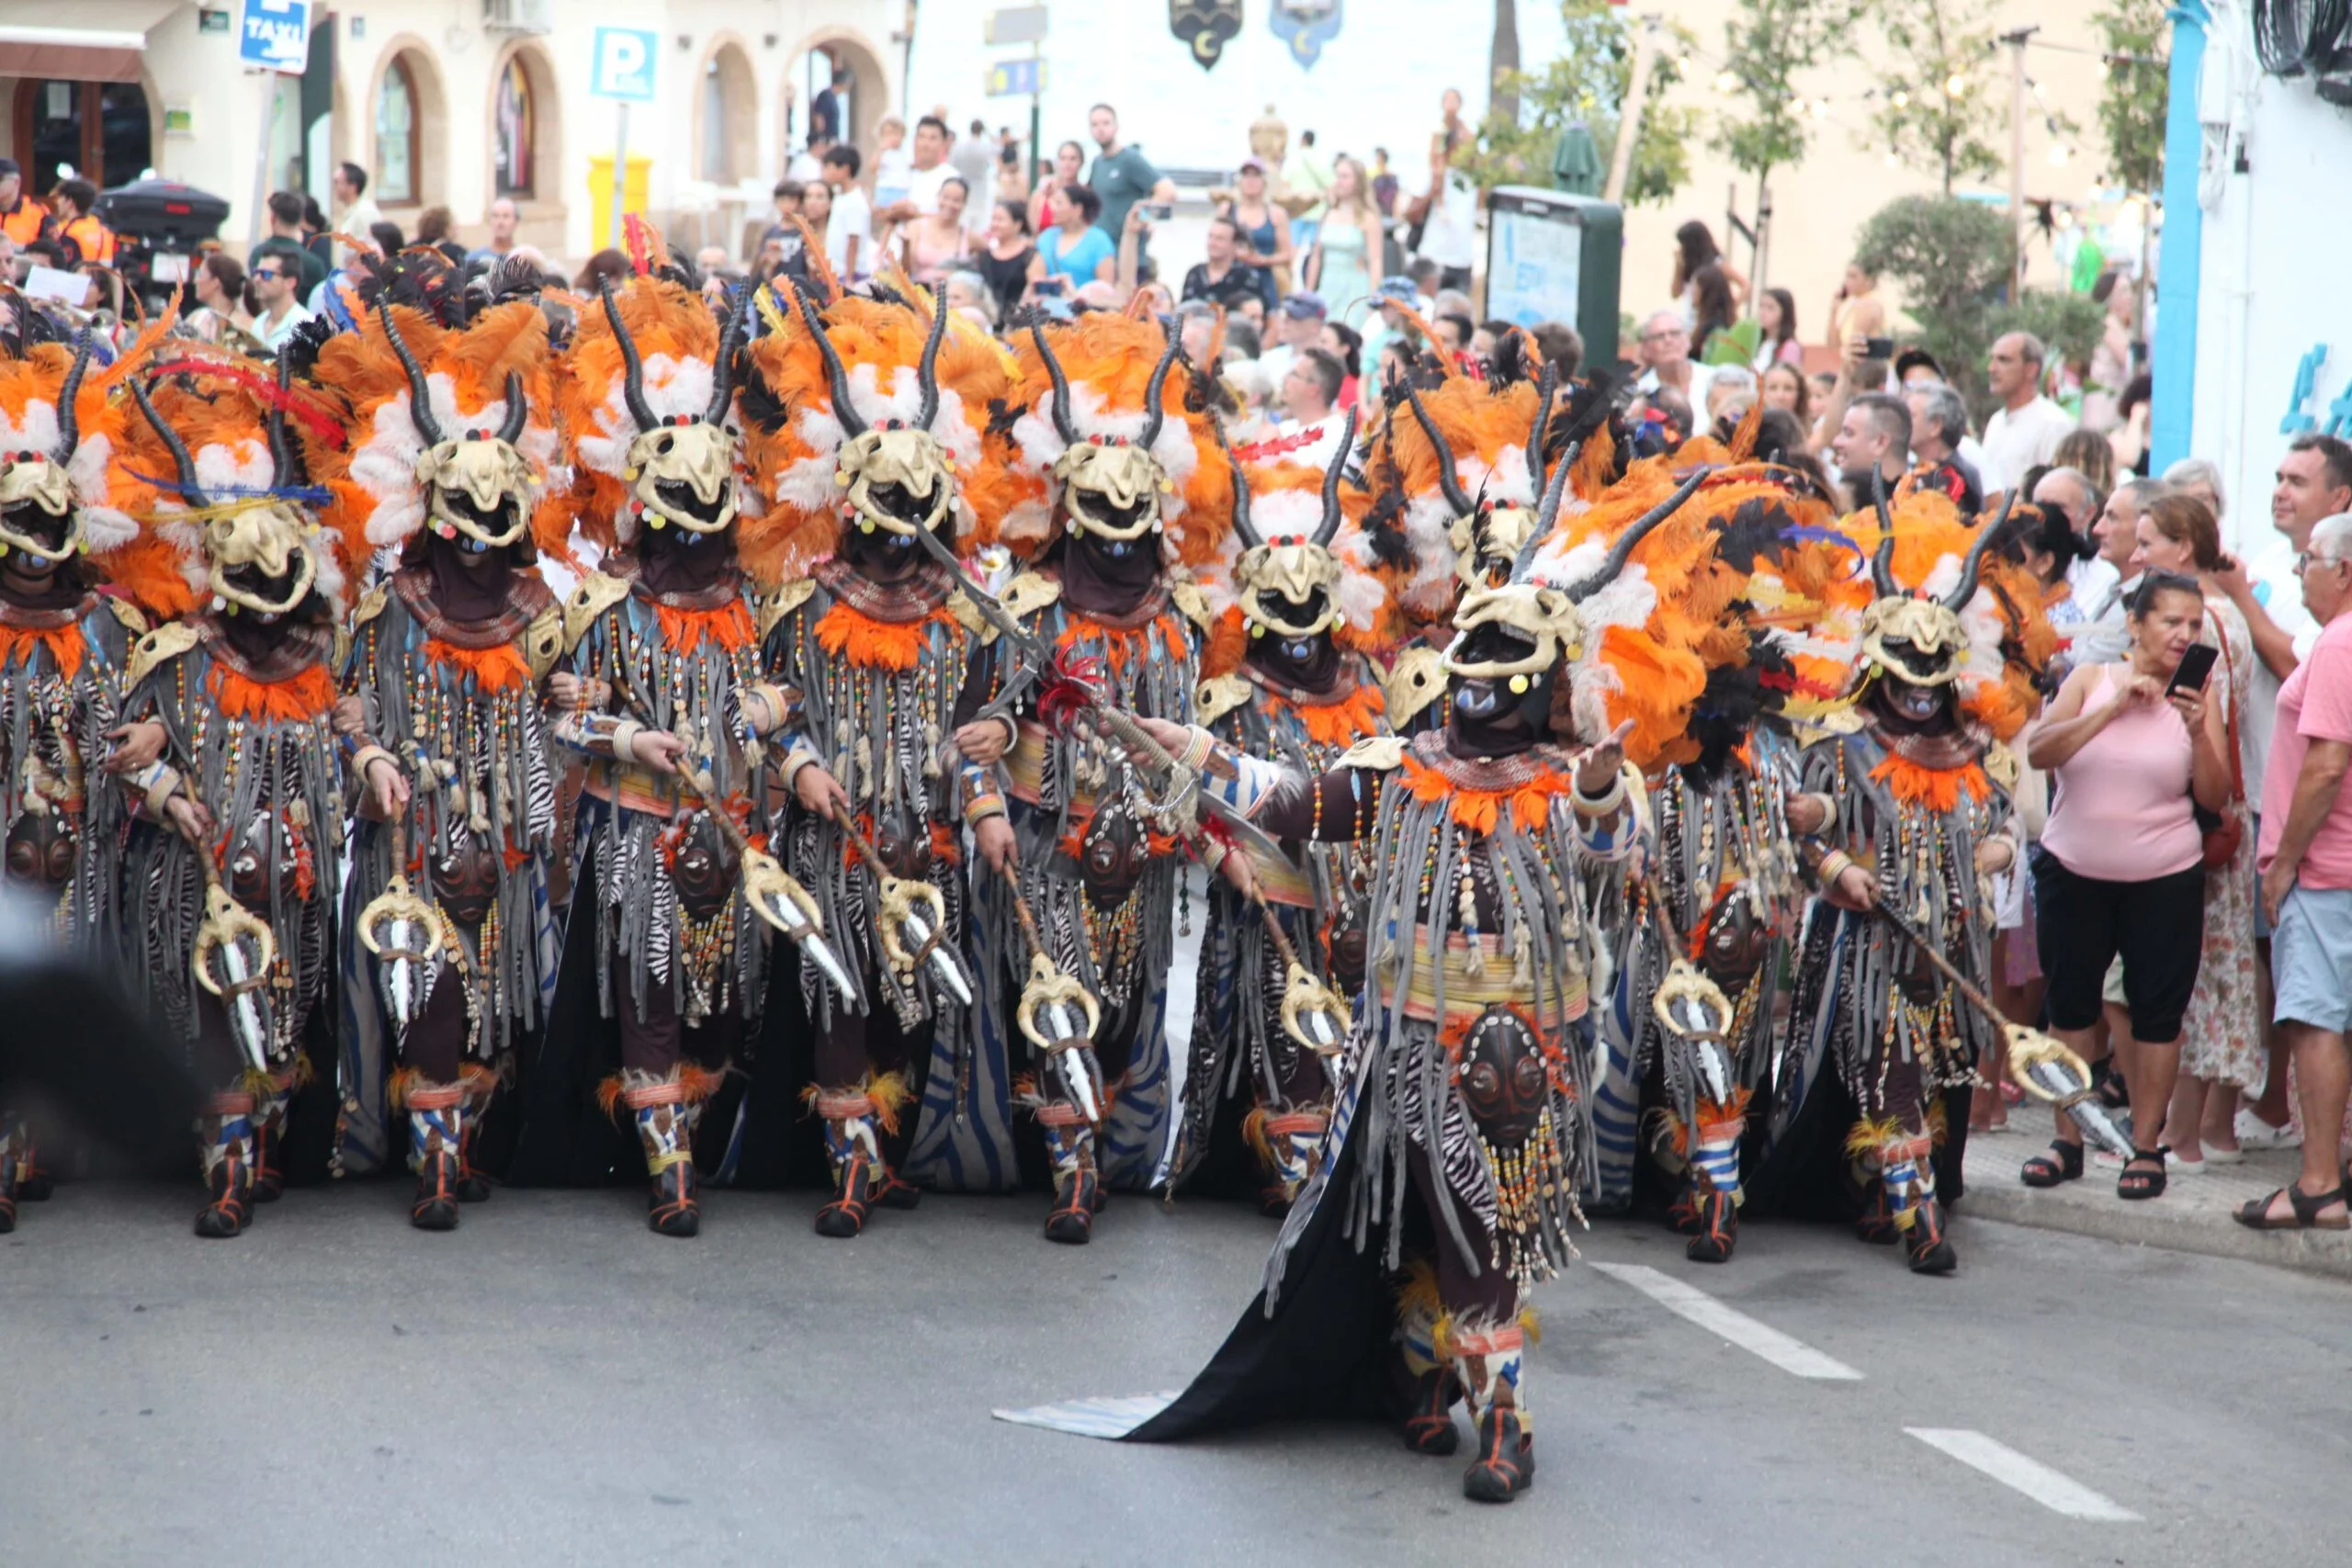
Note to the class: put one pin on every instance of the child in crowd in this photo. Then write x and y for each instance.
(894, 167)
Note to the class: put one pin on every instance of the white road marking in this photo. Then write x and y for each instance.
(1791, 1356)
(2058, 1492)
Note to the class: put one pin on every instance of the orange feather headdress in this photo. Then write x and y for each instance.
(1478, 455)
(57, 403)
(1097, 381)
(467, 373)
(794, 435)
(1283, 509)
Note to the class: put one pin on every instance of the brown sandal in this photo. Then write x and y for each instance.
(2256, 1214)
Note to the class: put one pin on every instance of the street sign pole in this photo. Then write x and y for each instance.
(620, 173)
(1037, 90)
(268, 80)
(276, 35)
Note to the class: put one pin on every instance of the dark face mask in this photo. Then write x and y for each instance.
(883, 556)
(1489, 719)
(469, 585)
(1309, 662)
(677, 560)
(1907, 709)
(1108, 576)
(1504, 1082)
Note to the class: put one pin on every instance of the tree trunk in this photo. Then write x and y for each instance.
(1503, 57)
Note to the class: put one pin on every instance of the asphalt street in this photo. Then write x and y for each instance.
(555, 1384)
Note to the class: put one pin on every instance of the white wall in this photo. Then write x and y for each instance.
(2273, 240)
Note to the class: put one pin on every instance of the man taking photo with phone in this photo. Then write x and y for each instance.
(1121, 176)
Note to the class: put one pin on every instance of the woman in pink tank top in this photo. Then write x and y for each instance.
(2121, 866)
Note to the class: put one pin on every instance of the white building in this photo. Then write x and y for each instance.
(448, 103)
(2272, 345)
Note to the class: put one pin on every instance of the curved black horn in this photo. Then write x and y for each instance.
(1448, 480)
(1153, 412)
(1545, 389)
(420, 391)
(927, 373)
(1622, 550)
(69, 425)
(1958, 599)
(516, 409)
(1883, 561)
(1242, 527)
(633, 381)
(1547, 512)
(722, 368)
(1331, 513)
(281, 453)
(189, 490)
(1065, 423)
(836, 378)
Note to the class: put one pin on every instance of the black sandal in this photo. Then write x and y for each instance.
(2137, 1184)
(2043, 1171)
(2305, 1207)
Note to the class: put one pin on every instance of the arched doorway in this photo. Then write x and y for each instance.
(862, 100)
(408, 127)
(727, 136)
(526, 125)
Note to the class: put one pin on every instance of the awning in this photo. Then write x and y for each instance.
(102, 44)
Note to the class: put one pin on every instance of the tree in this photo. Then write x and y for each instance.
(2132, 110)
(1934, 105)
(1766, 44)
(1503, 59)
(1587, 82)
(1951, 260)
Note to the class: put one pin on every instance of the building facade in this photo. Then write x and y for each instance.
(446, 103)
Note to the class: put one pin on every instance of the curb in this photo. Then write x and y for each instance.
(2192, 1216)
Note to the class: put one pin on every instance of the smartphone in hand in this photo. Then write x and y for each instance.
(2196, 668)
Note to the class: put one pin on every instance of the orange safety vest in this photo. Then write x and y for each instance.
(92, 239)
(24, 225)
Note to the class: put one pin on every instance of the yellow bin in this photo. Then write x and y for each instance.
(600, 193)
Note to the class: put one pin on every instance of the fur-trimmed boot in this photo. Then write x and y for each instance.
(436, 1122)
(1715, 1184)
(1430, 1387)
(480, 1084)
(657, 1105)
(1907, 1167)
(271, 1099)
(224, 1132)
(1285, 1143)
(1490, 1362)
(1078, 1188)
(856, 1120)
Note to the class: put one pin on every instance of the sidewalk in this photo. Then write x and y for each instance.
(2193, 1215)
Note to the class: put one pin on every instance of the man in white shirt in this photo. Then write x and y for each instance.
(2024, 432)
(1664, 350)
(355, 211)
(1297, 325)
(849, 233)
(275, 282)
(931, 170)
(1309, 392)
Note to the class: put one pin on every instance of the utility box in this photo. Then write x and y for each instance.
(1555, 257)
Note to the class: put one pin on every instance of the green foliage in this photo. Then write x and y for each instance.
(2131, 109)
(1587, 82)
(1766, 44)
(1951, 259)
(1931, 48)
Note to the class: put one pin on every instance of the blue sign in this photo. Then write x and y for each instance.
(1307, 26)
(276, 34)
(1014, 78)
(624, 67)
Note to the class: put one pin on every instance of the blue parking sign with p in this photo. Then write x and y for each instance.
(624, 65)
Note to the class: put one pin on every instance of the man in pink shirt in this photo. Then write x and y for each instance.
(2305, 854)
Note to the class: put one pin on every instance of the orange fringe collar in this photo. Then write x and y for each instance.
(64, 645)
(895, 645)
(1480, 809)
(301, 698)
(1939, 789)
(498, 669)
(1122, 648)
(1342, 723)
(729, 625)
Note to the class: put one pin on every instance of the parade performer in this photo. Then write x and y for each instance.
(1124, 494)
(452, 428)
(232, 876)
(671, 886)
(1706, 926)
(63, 647)
(1902, 809)
(1287, 679)
(878, 426)
(1459, 1140)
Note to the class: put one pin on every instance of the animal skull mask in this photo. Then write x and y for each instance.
(683, 473)
(36, 513)
(477, 488)
(896, 478)
(260, 558)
